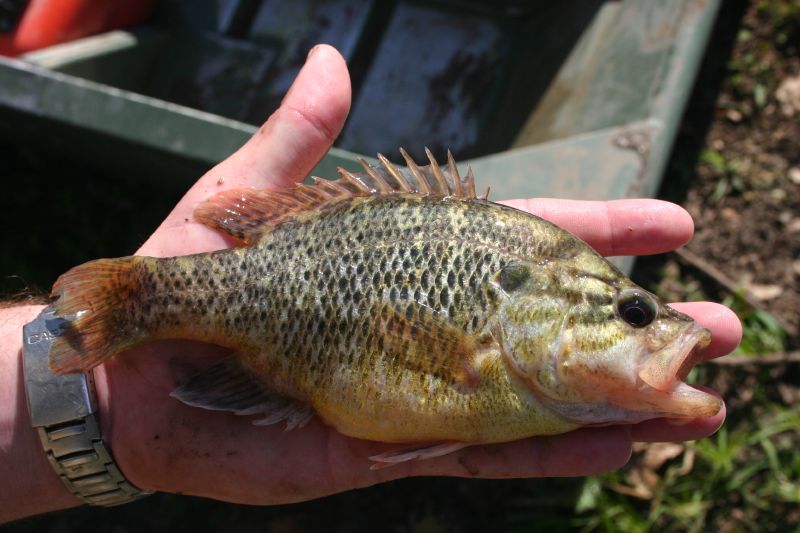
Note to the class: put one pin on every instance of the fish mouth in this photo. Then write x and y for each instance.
(663, 373)
(663, 368)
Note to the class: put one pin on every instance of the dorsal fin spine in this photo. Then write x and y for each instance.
(396, 173)
(354, 180)
(332, 187)
(470, 182)
(437, 172)
(422, 180)
(248, 214)
(379, 182)
(451, 164)
(308, 193)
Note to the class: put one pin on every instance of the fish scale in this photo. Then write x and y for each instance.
(393, 314)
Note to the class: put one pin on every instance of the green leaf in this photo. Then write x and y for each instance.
(760, 95)
(590, 492)
(715, 160)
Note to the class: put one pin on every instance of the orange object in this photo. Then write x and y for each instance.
(48, 22)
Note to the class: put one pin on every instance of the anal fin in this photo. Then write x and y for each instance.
(227, 386)
(385, 460)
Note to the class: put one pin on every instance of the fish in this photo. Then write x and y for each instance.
(396, 305)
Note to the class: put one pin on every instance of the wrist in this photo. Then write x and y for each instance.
(28, 483)
(130, 409)
(116, 427)
(157, 441)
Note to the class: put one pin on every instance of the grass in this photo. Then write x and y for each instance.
(752, 75)
(731, 179)
(744, 478)
(762, 334)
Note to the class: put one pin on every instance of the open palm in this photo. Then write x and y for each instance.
(164, 445)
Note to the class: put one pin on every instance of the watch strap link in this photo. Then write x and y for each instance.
(78, 454)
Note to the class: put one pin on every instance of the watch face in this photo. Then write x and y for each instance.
(52, 399)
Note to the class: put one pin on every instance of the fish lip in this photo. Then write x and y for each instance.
(700, 338)
(662, 378)
(664, 369)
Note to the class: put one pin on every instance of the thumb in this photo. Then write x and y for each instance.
(282, 152)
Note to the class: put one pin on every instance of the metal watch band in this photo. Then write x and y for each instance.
(62, 409)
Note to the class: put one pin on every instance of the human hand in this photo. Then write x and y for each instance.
(162, 444)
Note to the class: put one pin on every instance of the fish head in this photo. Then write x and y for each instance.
(597, 349)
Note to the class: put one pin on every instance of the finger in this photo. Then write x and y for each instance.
(725, 327)
(283, 151)
(667, 430)
(577, 453)
(617, 227)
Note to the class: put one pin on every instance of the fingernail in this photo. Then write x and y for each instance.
(313, 51)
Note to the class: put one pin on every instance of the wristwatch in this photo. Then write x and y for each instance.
(63, 411)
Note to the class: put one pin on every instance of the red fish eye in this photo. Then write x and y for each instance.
(636, 308)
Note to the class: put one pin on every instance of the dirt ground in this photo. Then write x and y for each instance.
(738, 173)
(744, 193)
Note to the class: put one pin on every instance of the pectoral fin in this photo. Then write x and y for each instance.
(227, 386)
(428, 343)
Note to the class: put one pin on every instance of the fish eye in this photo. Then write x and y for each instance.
(636, 308)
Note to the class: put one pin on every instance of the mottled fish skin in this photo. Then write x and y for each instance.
(308, 309)
(397, 316)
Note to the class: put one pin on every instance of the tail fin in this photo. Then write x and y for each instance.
(91, 299)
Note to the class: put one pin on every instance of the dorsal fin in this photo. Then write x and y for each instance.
(247, 214)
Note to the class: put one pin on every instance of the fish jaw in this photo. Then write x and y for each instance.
(662, 373)
(647, 386)
(685, 401)
(660, 370)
